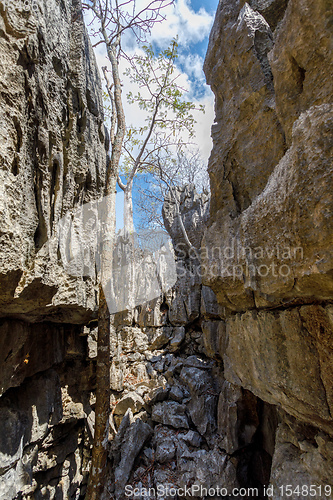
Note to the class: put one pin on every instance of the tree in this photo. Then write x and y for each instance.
(168, 119)
(113, 19)
(186, 168)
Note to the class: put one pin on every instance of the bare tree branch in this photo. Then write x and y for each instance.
(120, 183)
(113, 105)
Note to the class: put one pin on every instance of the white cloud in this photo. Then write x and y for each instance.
(190, 26)
(192, 65)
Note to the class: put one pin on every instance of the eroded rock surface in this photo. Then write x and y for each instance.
(52, 159)
(268, 248)
(52, 155)
(43, 413)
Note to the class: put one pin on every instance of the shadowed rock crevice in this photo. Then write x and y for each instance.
(272, 10)
(262, 47)
(167, 379)
(298, 75)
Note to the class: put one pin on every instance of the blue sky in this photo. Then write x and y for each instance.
(208, 5)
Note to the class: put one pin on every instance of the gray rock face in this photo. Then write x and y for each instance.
(271, 10)
(165, 451)
(267, 250)
(42, 412)
(237, 418)
(28, 417)
(210, 331)
(134, 438)
(198, 424)
(309, 460)
(28, 426)
(290, 356)
(52, 155)
(192, 438)
(27, 349)
(241, 162)
(259, 410)
(131, 400)
(194, 210)
(266, 276)
(159, 337)
(178, 338)
(209, 305)
(186, 296)
(157, 395)
(198, 381)
(170, 413)
(269, 221)
(52, 160)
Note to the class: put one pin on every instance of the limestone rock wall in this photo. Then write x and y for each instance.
(268, 248)
(52, 154)
(52, 159)
(44, 433)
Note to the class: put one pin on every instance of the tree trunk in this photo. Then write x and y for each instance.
(102, 408)
(128, 209)
(129, 234)
(97, 479)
